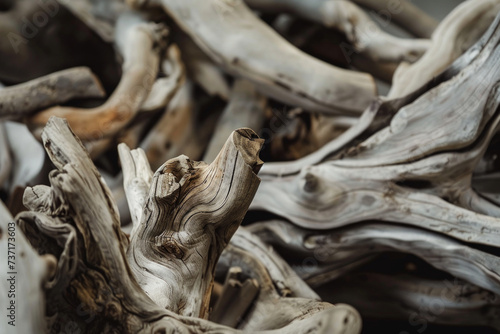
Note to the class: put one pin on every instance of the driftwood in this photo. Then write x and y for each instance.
(362, 32)
(173, 135)
(246, 108)
(418, 300)
(333, 249)
(334, 89)
(93, 271)
(23, 99)
(454, 35)
(165, 88)
(201, 69)
(389, 204)
(140, 43)
(405, 14)
(399, 173)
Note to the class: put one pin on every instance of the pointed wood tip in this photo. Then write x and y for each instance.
(249, 145)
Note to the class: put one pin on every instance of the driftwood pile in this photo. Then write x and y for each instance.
(372, 212)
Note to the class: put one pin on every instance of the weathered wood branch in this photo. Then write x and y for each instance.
(335, 90)
(414, 170)
(141, 43)
(405, 14)
(403, 297)
(201, 69)
(177, 243)
(455, 34)
(59, 87)
(361, 31)
(93, 289)
(331, 249)
(164, 89)
(280, 288)
(246, 108)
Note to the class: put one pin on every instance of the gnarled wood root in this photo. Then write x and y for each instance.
(94, 289)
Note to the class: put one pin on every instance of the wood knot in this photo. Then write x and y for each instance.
(170, 246)
(310, 183)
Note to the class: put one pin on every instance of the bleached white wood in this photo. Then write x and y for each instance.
(277, 68)
(361, 31)
(52, 89)
(246, 108)
(456, 33)
(165, 88)
(140, 43)
(414, 170)
(334, 247)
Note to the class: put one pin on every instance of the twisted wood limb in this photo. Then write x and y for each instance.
(93, 289)
(140, 44)
(164, 89)
(403, 297)
(58, 87)
(403, 13)
(280, 288)
(185, 245)
(201, 69)
(361, 31)
(411, 170)
(456, 33)
(331, 249)
(246, 108)
(273, 64)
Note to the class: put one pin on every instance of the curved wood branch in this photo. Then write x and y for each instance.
(58, 87)
(403, 13)
(455, 34)
(140, 44)
(94, 289)
(332, 248)
(361, 31)
(411, 171)
(164, 89)
(246, 108)
(137, 176)
(201, 69)
(280, 288)
(403, 297)
(185, 242)
(224, 36)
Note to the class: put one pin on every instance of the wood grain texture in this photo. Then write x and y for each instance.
(23, 99)
(361, 31)
(402, 166)
(272, 64)
(94, 289)
(140, 43)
